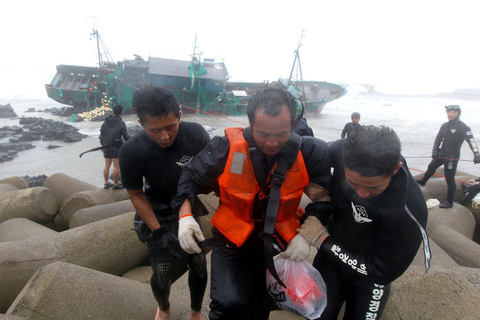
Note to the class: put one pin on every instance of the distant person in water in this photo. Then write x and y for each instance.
(349, 126)
(446, 150)
(113, 129)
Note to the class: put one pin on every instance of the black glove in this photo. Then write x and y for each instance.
(166, 240)
(434, 154)
(476, 159)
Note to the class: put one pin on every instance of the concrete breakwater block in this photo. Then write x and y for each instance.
(109, 245)
(38, 204)
(63, 291)
(20, 229)
(83, 199)
(441, 294)
(463, 250)
(10, 317)
(64, 186)
(18, 182)
(437, 189)
(7, 187)
(91, 214)
(117, 195)
(458, 218)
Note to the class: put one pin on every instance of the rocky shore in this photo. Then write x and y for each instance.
(68, 251)
(31, 129)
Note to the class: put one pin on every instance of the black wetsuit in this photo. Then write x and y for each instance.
(446, 152)
(140, 158)
(372, 241)
(349, 127)
(113, 128)
(238, 281)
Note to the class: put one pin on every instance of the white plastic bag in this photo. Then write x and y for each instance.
(306, 292)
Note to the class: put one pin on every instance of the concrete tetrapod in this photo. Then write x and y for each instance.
(64, 186)
(448, 291)
(38, 204)
(7, 187)
(63, 291)
(109, 245)
(16, 181)
(91, 214)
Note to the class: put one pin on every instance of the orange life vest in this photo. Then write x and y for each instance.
(238, 188)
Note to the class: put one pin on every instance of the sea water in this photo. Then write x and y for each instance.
(415, 118)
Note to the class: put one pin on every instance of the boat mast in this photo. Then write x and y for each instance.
(298, 65)
(103, 50)
(95, 35)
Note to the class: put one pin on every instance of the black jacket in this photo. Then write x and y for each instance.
(112, 129)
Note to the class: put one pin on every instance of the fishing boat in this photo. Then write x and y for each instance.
(200, 85)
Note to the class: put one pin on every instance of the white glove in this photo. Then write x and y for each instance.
(298, 249)
(188, 230)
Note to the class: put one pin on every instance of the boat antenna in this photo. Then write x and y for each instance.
(298, 65)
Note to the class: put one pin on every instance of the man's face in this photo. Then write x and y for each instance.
(355, 120)
(452, 114)
(271, 132)
(367, 187)
(162, 131)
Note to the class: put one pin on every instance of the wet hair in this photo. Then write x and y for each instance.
(372, 151)
(355, 115)
(271, 100)
(117, 110)
(155, 102)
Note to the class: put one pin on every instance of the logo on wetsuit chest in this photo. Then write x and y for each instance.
(360, 214)
(184, 161)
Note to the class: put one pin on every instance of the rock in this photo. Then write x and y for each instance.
(36, 181)
(7, 131)
(9, 150)
(52, 146)
(30, 110)
(6, 111)
(45, 129)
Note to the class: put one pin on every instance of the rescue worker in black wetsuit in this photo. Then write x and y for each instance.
(350, 125)
(157, 155)
(112, 129)
(378, 220)
(446, 151)
(227, 165)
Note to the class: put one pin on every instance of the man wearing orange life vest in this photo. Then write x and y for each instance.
(240, 168)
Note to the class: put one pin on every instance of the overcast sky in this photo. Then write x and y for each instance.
(425, 44)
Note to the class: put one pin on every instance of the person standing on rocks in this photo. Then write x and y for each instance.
(151, 163)
(350, 125)
(247, 168)
(377, 225)
(113, 129)
(446, 151)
